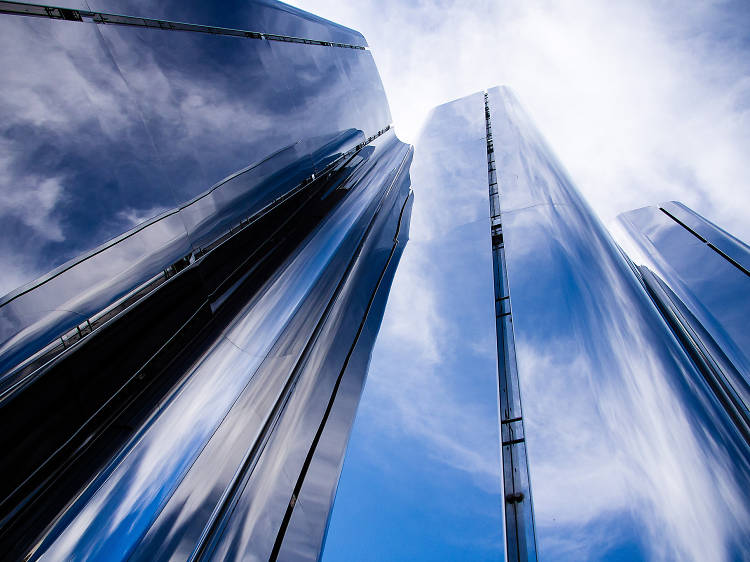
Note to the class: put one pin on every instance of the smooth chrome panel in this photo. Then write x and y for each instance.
(630, 454)
(259, 15)
(735, 249)
(74, 294)
(315, 380)
(519, 516)
(173, 457)
(712, 285)
(147, 122)
(309, 521)
(226, 322)
(441, 473)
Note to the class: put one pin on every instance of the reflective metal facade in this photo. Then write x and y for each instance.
(621, 369)
(421, 477)
(202, 210)
(699, 276)
(632, 452)
(182, 354)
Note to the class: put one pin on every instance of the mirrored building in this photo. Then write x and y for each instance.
(620, 378)
(203, 206)
(622, 375)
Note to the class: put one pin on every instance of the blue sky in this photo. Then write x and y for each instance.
(642, 102)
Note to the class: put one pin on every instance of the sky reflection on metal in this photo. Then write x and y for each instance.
(182, 360)
(631, 452)
(633, 368)
(631, 455)
(431, 489)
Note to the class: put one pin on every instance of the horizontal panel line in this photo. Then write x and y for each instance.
(20, 291)
(67, 14)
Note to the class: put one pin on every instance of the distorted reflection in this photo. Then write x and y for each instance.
(200, 234)
(631, 454)
(150, 122)
(426, 435)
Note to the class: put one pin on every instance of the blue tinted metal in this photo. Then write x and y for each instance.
(631, 455)
(519, 517)
(260, 15)
(272, 19)
(735, 250)
(706, 283)
(444, 489)
(227, 213)
(166, 115)
(170, 444)
(317, 494)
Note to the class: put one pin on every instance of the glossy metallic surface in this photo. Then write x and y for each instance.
(624, 427)
(631, 454)
(440, 472)
(519, 514)
(213, 223)
(707, 272)
(154, 137)
(261, 16)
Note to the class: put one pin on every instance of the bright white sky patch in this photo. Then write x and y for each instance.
(642, 102)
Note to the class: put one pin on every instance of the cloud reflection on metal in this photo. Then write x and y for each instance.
(181, 355)
(630, 412)
(631, 452)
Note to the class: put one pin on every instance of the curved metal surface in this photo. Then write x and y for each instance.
(421, 480)
(112, 142)
(631, 454)
(705, 269)
(232, 385)
(264, 16)
(215, 332)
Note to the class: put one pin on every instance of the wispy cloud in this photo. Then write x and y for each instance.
(642, 101)
(34, 203)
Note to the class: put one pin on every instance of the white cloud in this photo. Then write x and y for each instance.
(33, 202)
(134, 217)
(643, 102)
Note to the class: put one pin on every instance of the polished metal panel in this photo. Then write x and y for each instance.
(442, 478)
(258, 16)
(519, 515)
(222, 218)
(152, 120)
(733, 249)
(631, 454)
(706, 270)
(174, 441)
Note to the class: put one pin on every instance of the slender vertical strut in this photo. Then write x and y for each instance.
(519, 518)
